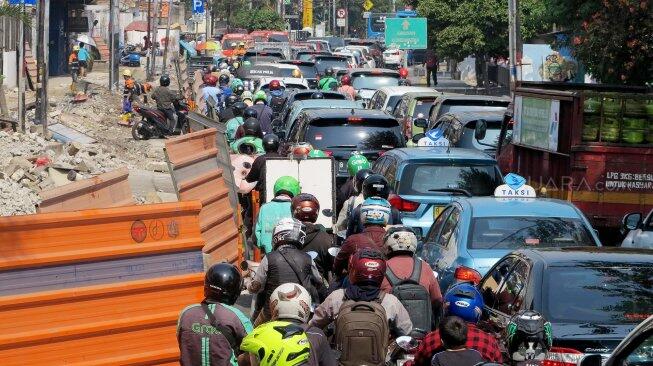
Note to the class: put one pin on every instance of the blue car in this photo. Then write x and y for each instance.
(425, 179)
(473, 233)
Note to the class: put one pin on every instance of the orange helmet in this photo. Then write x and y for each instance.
(345, 80)
(403, 72)
(301, 150)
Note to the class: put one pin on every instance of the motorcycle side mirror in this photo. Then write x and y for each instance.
(421, 122)
(244, 266)
(417, 137)
(312, 254)
(407, 343)
(480, 130)
(333, 251)
(327, 212)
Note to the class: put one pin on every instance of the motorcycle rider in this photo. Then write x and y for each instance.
(374, 185)
(328, 81)
(263, 110)
(403, 77)
(353, 201)
(355, 163)
(292, 303)
(211, 92)
(250, 143)
(453, 334)
(226, 110)
(277, 97)
(346, 88)
(232, 125)
(400, 245)
(287, 263)
(247, 98)
(256, 175)
(285, 188)
(317, 95)
(365, 272)
(374, 213)
(223, 83)
(306, 208)
(222, 326)
(462, 300)
(165, 99)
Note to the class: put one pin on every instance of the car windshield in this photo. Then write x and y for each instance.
(479, 180)
(286, 72)
(374, 135)
(599, 293)
(472, 106)
(261, 58)
(308, 71)
(369, 81)
(532, 232)
(423, 106)
(321, 63)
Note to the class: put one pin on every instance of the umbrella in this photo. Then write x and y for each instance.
(209, 46)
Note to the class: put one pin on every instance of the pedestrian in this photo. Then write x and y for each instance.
(83, 57)
(285, 188)
(211, 332)
(431, 63)
(73, 64)
(306, 208)
(453, 332)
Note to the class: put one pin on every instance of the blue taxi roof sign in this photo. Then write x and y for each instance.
(515, 187)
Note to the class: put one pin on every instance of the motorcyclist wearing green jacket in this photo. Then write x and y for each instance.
(233, 124)
(285, 188)
(328, 81)
(251, 143)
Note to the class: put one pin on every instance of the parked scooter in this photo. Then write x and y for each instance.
(154, 122)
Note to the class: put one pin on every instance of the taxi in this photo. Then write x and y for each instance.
(472, 233)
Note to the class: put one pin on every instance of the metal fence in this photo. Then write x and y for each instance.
(9, 34)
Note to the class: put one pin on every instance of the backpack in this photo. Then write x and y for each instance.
(413, 296)
(362, 333)
(277, 103)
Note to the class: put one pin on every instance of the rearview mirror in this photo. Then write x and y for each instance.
(631, 221)
(480, 130)
(591, 360)
(421, 122)
(417, 137)
(244, 266)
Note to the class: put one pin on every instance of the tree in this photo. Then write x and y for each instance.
(15, 12)
(612, 38)
(226, 9)
(258, 19)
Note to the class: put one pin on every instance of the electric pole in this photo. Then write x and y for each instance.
(148, 76)
(21, 73)
(155, 36)
(113, 44)
(512, 42)
(165, 49)
(42, 37)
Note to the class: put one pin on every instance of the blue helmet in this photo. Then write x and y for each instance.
(464, 300)
(375, 211)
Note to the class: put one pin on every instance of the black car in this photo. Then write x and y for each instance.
(296, 95)
(339, 132)
(635, 349)
(308, 69)
(263, 56)
(333, 61)
(593, 297)
(309, 55)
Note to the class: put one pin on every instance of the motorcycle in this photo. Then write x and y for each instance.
(154, 122)
(402, 350)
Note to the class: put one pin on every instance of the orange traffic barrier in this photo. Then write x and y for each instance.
(98, 287)
(197, 176)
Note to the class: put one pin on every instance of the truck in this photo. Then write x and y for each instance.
(590, 144)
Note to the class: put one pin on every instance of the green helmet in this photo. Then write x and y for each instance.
(357, 162)
(260, 95)
(235, 82)
(287, 184)
(317, 154)
(278, 343)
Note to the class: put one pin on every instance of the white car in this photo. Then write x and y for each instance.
(286, 83)
(365, 53)
(387, 98)
(353, 61)
(640, 232)
(393, 58)
(284, 70)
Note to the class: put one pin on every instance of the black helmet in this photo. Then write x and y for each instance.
(214, 68)
(317, 95)
(250, 113)
(359, 178)
(529, 336)
(222, 283)
(329, 71)
(238, 108)
(223, 79)
(164, 80)
(231, 100)
(232, 70)
(239, 90)
(376, 186)
(252, 127)
(271, 142)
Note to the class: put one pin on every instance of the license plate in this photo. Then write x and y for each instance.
(437, 210)
(342, 166)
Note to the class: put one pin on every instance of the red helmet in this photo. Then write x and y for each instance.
(403, 73)
(305, 207)
(367, 265)
(345, 80)
(275, 85)
(300, 150)
(210, 80)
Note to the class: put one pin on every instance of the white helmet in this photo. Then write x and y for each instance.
(223, 65)
(400, 239)
(290, 301)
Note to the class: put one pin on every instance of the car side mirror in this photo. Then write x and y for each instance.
(388, 109)
(244, 266)
(417, 137)
(631, 221)
(480, 130)
(591, 360)
(327, 212)
(421, 122)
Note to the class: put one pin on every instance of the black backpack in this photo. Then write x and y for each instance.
(413, 296)
(277, 103)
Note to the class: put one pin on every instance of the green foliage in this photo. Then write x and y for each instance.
(258, 19)
(16, 12)
(612, 38)
(227, 9)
